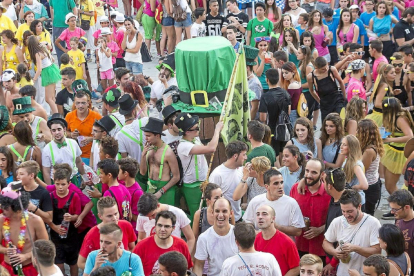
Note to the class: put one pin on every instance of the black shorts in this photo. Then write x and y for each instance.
(67, 253)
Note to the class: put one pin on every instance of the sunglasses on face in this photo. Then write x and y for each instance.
(398, 65)
(263, 38)
(361, 53)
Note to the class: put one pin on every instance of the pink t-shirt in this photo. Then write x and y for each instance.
(147, 9)
(136, 192)
(375, 66)
(358, 87)
(67, 35)
(89, 221)
(123, 199)
(97, 34)
(119, 36)
(114, 48)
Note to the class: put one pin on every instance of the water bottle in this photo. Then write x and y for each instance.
(65, 225)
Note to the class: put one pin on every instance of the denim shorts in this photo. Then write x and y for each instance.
(187, 23)
(167, 21)
(134, 67)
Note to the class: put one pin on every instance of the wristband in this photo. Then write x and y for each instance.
(164, 190)
(161, 191)
(37, 207)
(243, 181)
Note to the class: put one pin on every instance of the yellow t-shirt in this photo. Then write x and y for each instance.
(99, 7)
(78, 58)
(23, 82)
(7, 24)
(63, 66)
(88, 6)
(10, 60)
(20, 31)
(45, 37)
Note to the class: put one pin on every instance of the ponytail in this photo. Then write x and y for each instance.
(302, 163)
(14, 41)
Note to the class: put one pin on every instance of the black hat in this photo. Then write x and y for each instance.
(106, 123)
(328, 12)
(168, 111)
(154, 125)
(185, 121)
(126, 104)
(56, 117)
(111, 97)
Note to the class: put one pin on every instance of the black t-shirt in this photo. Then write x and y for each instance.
(65, 98)
(214, 24)
(403, 30)
(334, 211)
(273, 102)
(242, 18)
(41, 197)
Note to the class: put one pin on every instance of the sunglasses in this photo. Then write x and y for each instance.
(397, 64)
(331, 172)
(289, 29)
(194, 129)
(345, 40)
(263, 38)
(361, 53)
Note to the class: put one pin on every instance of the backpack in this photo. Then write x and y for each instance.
(283, 130)
(174, 146)
(179, 14)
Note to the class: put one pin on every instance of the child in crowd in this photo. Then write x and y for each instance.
(303, 23)
(65, 61)
(78, 58)
(104, 63)
(23, 76)
(198, 29)
(65, 97)
(355, 85)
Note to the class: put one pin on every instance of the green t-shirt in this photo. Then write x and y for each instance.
(60, 9)
(259, 29)
(264, 150)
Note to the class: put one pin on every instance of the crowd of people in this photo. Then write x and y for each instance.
(112, 179)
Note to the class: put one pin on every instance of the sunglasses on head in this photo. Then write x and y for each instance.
(289, 29)
(263, 38)
(331, 172)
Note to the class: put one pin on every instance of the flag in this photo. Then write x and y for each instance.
(236, 112)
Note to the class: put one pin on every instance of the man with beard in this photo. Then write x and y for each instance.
(61, 150)
(151, 248)
(159, 160)
(403, 30)
(356, 233)
(14, 222)
(280, 245)
(314, 204)
(218, 242)
(111, 253)
(289, 218)
(165, 78)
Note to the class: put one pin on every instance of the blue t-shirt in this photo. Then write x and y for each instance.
(362, 31)
(236, 46)
(120, 266)
(365, 18)
(301, 31)
(332, 26)
(396, 14)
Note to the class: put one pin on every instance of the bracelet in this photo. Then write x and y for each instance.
(164, 190)
(36, 209)
(243, 181)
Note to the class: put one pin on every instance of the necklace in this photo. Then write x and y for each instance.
(295, 9)
(292, 172)
(155, 148)
(331, 140)
(6, 227)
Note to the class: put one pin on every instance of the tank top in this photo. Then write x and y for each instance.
(403, 97)
(355, 181)
(204, 224)
(131, 45)
(323, 51)
(35, 131)
(304, 148)
(46, 62)
(147, 9)
(371, 173)
(262, 77)
(10, 59)
(329, 152)
(401, 261)
(344, 38)
(382, 26)
(304, 80)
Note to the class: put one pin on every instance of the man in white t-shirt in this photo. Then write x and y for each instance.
(165, 78)
(45, 258)
(191, 152)
(249, 261)
(198, 29)
(149, 207)
(229, 174)
(110, 103)
(172, 134)
(218, 242)
(355, 232)
(289, 219)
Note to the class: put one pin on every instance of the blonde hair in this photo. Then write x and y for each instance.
(354, 155)
(311, 259)
(261, 164)
(30, 166)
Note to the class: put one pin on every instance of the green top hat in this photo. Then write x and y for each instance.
(168, 62)
(4, 117)
(22, 105)
(251, 54)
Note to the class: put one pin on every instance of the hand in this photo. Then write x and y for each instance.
(162, 78)
(58, 229)
(31, 207)
(263, 56)
(74, 134)
(339, 254)
(11, 251)
(353, 272)
(95, 193)
(158, 194)
(312, 233)
(35, 79)
(18, 258)
(78, 222)
(86, 141)
(301, 186)
(328, 270)
(147, 148)
(40, 137)
(168, 101)
(348, 247)
(101, 258)
(67, 217)
(84, 76)
(246, 170)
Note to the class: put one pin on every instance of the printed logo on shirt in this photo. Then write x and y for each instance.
(156, 269)
(35, 202)
(125, 209)
(260, 29)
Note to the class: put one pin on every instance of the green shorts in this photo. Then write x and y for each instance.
(149, 25)
(169, 196)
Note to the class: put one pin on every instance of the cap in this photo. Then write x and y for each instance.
(105, 31)
(8, 74)
(354, 7)
(104, 19)
(328, 12)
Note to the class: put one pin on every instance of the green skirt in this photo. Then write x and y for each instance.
(50, 75)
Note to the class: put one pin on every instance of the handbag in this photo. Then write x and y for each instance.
(85, 24)
(145, 55)
(302, 108)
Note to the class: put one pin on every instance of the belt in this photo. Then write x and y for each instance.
(201, 98)
(397, 148)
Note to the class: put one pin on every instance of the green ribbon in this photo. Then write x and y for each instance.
(60, 145)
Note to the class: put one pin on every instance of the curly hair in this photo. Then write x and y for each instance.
(392, 110)
(261, 164)
(369, 136)
(7, 202)
(354, 155)
(308, 124)
(337, 121)
(355, 110)
(135, 90)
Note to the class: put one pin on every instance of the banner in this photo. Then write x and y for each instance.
(236, 112)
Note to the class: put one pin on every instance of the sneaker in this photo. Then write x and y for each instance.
(159, 56)
(95, 96)
(88, 58)
(388, 216)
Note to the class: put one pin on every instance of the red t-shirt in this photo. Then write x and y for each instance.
(149, 252)
(282, 247)
(75, 204)
(92, 239)
(315, 207)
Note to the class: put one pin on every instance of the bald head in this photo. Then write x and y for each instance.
(268, 209)
(265, 217)
(222, 201)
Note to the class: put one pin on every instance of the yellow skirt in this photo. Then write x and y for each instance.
(376, 117)
(393, 159)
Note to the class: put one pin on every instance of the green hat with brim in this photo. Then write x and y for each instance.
(169, 63)
(78, 85)
(4, 117)
(251, 54)
(22, 105)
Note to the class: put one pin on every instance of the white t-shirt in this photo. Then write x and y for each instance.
(144, 224)
(158, 88)
(341, 230)
(198, 30)
(62, 155)
(58, 272)
(184, 6)
(125, 144)
(105, 63)
(119, 121)
(287, 210)
(216, 249)
(95, 155)
(11, 12)
(183, 150)
(259, 263)
(168, 138)
(228, 179)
